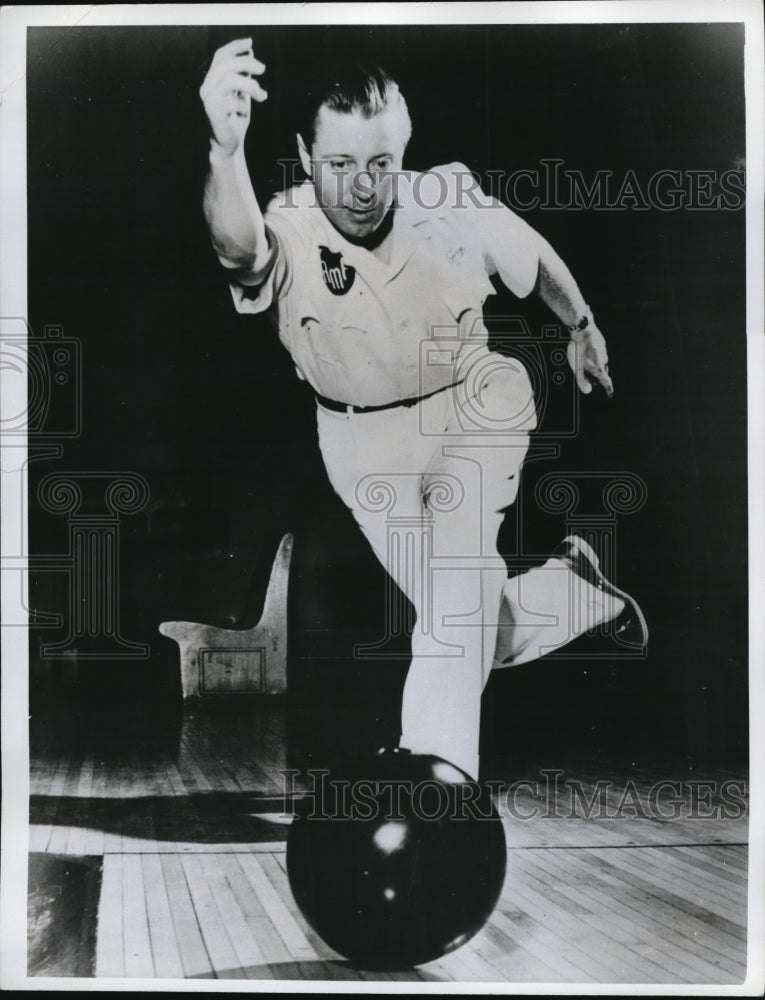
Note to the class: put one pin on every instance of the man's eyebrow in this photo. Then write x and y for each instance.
(349, 156)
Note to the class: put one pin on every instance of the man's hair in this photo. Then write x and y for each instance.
(362, 87)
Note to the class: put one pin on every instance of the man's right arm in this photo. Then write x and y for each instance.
(232, 212)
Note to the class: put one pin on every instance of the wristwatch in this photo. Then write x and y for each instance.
(583, 322)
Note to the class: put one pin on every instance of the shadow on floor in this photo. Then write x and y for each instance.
(213, 817)
(332, 970)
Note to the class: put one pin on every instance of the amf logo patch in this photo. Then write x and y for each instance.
(338, 276)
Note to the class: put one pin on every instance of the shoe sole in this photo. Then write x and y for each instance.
(631, 607)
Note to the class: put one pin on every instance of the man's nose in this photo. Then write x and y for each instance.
(363, 186)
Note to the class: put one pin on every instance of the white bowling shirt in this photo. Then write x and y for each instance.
(365, 332)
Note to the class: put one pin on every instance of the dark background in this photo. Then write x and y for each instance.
(204, 404)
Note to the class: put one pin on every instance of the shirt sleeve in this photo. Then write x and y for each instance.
(256, 296)
(511, 247)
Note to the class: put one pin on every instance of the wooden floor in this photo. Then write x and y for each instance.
(194, 882)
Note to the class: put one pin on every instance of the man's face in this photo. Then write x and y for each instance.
(354, 162)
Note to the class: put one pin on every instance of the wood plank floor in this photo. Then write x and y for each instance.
(612, 878)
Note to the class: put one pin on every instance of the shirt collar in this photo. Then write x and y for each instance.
(303, 196)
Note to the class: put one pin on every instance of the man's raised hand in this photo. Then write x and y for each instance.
(227, 91)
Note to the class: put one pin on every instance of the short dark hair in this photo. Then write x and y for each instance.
(363, 87)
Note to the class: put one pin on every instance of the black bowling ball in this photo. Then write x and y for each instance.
(397, 859)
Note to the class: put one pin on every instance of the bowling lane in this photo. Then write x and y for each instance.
(564, 916)
(188, 841)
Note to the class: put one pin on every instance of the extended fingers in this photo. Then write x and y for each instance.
(596, 365)
(600, 373)
(591, 356)
(588, 365)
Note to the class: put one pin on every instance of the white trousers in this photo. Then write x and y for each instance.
(428, 485)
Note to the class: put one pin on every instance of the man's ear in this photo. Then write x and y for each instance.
(305, 158)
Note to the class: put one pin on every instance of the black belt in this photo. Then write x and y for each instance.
(332, 404)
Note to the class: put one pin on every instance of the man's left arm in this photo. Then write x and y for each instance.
(587, 353)
(526, 262)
